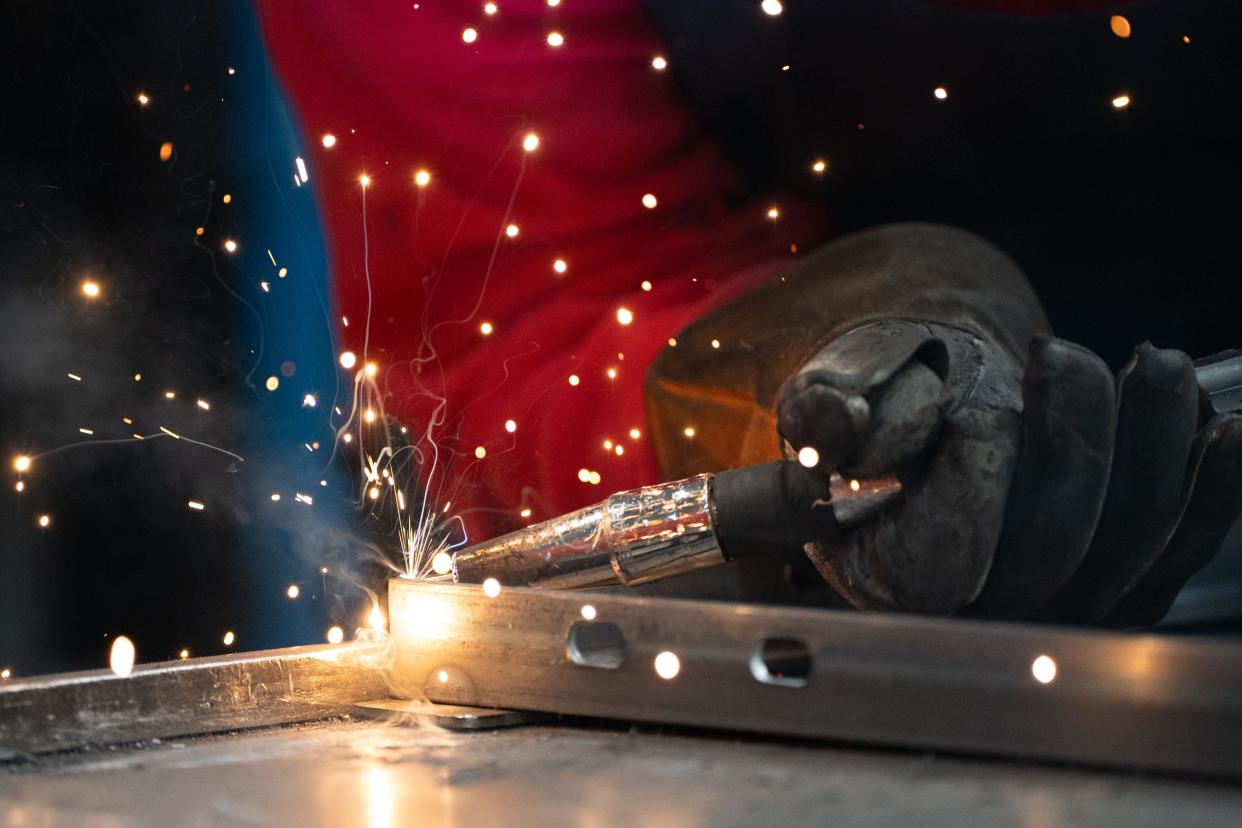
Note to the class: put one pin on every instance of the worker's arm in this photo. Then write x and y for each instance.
(1035, 485)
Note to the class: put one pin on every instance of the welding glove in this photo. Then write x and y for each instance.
(1034, 484)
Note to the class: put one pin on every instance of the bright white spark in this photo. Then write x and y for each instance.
(650, 201)
(531, 142)
(491, 587)
(348, 359)
(588, 612)
(941, 93)
(293, 591)
(667, 665)
(90, 289)
(469, 35)
(659, 63)
(771, 7)
(625, 316)
(121, 659)
(1044, 669)
(195, 505)
(808, 457)
(302, 173)
(328, 140)
(510, 426)
(335, 635)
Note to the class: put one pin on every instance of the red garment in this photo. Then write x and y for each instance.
(400, 89)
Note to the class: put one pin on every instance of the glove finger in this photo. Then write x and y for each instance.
(1214, 504)
(869, 401)
(1156, 420)
(1062, 476)
(930, 552)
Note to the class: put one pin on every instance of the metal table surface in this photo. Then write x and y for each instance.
(374, 774)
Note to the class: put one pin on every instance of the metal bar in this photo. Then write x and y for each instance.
(177, 698)
(1139, 701)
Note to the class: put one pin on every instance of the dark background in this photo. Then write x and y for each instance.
(1126, 221)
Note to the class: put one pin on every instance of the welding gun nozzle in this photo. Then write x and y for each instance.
(656, 532)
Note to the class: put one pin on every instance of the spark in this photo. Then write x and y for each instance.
(574, 380)
(376, 618)
(370, 415)
(87, 431)
(855, 485)
(672, 343)
(667, 664)
(716, 343)
(1121, 101)
(374, 493)
(203, 404)
(442, 563)
(184, 654)
(90, 289)
(608, 445)
(612, 373)
(22, 462)
(480, 452)
(941, 93)
(1185, 38)
(168, 395)
(808, 457)
(304, 499)
(625, 316)
(422, 178)
(512, 231)
(227, 198)
(588, 612)
(771, 8)
(45, 521)
(584, 475)
(595, 479)
(469, 35)
(335, 635)
(272, 383)
(650, 201)
(774, 213)
(283, 272)
(553, 3)
(143, 100)
(1044, 669)
(229, 638)
(195, 505)
(275, 497)
(309, 401)
(121, 659)
(486, 328)
(232, 71)
(659, 63)
(21, 486)
(348, 359)
(166, 149)
(689, 432)
(371, 369)
(531, 142)
(348, 438)
(137, 377)
(293, 591)
(328, 140)
(1120, 26)
(230, 245)
(491, 587)
(442, 676)
(646, 286)
(364, 180)
(525, 513)
(6, 674)
(560, 266)
(198, 231)
(635, 434)
(267, 288)
(620, 449)
(490, 8)
(74, 377)
(819, 166)
(556, 39)
(510, 426)
(301, 165)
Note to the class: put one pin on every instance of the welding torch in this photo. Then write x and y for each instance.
(655, 532)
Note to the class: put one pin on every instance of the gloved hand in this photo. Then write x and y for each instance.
(1034, 484)
(1043, 493)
